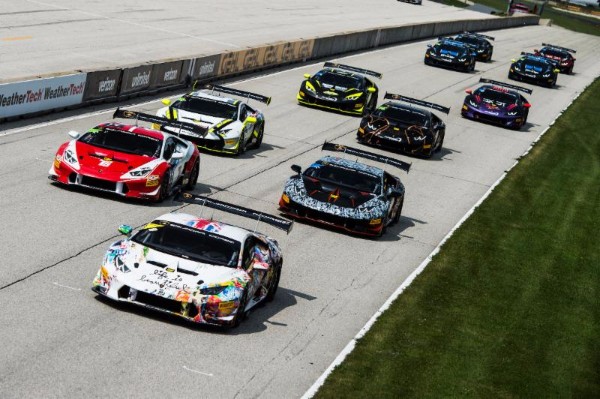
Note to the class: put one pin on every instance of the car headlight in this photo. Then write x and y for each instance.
(212, 290)
(517, 68)
(546, 75)
(480, 50)
(354, 96)
(462, 59)
(512, 113)
(310, 87)
(473, 104)
(142, 171)
(70, 157)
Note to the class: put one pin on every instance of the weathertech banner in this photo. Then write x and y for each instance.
(259, 57)
(41, 95)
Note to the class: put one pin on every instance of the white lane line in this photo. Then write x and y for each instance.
(350, 346)
(66, 286)
(197, 372)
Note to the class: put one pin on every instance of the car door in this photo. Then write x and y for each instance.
(247, 127)
(255, 261)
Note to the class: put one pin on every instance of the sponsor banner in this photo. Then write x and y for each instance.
(167, 74)
(136, 79)
(102, 84)
(261, 57)
(206, 67)
(41, 95)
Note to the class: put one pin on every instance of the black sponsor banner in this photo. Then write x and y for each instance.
(167, 74)
(102, 84)
(136, 79)
(206, 67)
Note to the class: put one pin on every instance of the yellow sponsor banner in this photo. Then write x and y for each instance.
(260, 57)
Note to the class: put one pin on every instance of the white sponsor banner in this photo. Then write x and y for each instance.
(41, 94)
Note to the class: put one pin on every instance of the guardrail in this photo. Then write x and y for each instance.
(37, 96)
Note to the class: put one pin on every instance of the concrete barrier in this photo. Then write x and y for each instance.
(118, 84)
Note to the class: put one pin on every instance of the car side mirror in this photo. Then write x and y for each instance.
(513, 60)
(166, 101)
(74, 134)
(371, 89)
(125, 229)
(297, 168)
(536, 51)
(469, 91)
(556, 70)
(251, 119)
(307, 75)
(177, 155)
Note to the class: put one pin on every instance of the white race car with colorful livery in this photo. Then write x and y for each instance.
(203, 270)
(229, 125)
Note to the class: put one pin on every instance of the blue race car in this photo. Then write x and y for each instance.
(498, 103)
(450, 53)
(534, 69)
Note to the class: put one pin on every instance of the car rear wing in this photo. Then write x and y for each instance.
(275, 221)
(365, 154)
(422, 103)
(509, 86)
(235, 92)
(163, 122)
(559, 47)
(353, 69)
(478, 34)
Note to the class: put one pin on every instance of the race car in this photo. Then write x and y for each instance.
(202, 270)
(345, 194)
(228, 125)
(566, 61)
(404, 128)
(534, 69)
(129, 161)
(341, 88)
(418, 2)
(480, 43)
(497, 102)
(450, 53)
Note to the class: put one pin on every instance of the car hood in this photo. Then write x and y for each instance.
(152, 271)
(205, 121)
(110, 164)
(332, 90)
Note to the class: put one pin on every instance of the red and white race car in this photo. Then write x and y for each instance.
(128, 160)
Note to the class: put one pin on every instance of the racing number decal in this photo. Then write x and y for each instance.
(105, 163)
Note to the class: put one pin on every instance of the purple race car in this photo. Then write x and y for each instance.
(498, 103)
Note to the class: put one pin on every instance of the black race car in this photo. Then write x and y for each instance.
(562, 55)
(404, 128)
(497, 102)
(534, 69)
(345, 194)
(451, 54)
(340, 87)
(480, 43)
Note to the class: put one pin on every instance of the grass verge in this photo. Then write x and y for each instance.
(511, 305)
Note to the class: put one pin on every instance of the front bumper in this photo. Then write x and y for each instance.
(472, 113)
(420, 147)
(344, 106)
(531, 78)
(446, 62)
(354, 226)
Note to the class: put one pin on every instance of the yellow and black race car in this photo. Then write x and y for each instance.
(341, 88)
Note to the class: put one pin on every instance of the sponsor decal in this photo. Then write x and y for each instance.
(141, 79)
(106, 85)
(171, 74)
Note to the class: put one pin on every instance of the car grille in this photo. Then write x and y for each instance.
(159, 302)
(98, 183)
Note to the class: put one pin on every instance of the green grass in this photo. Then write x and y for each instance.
(511, 305)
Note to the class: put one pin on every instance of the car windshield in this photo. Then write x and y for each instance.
(123, 141)
(189, 243)
(499, 98)
(534, 65)
(554, 53)
(468, 39)
(405, 115)
(450, 49)
(341, 82)
(207, 106)
(352, 178)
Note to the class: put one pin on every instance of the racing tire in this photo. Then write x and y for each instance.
(259, 138)
(163, 193)
(396, 218)
(193, 176)
(438, 148)
(274, 284)
(490, 57)
(240, 314)
(570, 71)
(241, 146)
(383, 228)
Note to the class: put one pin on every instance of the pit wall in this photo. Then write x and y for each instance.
(72, 90)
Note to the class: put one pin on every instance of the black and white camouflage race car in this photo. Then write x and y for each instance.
(345, 194)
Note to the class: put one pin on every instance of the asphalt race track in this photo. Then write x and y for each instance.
(60, 340)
